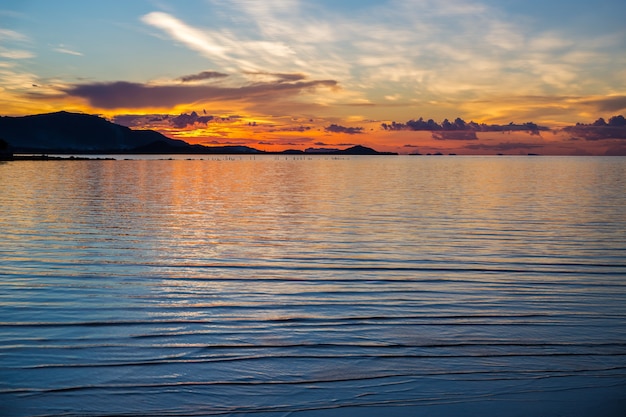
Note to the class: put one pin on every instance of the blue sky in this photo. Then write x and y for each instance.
(553, 62)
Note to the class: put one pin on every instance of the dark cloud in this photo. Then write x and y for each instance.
(608, 104)
(131, 120)
(461, 125)
(142, 120)
(615, 128)
(204, 75)
(184, 120)
(342, 129)
(504, 146)
(123, 94)
(164, 120)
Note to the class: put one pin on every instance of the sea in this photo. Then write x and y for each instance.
(313, 285)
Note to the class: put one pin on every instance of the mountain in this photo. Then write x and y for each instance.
(76, 133)
(362, 150)
(64, 132)
(354, 150)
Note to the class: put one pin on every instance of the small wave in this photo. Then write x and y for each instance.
(423, 320)
(586, 269)
(516, 375)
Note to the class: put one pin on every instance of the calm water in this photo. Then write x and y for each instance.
(285, 286)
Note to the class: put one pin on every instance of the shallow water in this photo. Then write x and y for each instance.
(283, 285)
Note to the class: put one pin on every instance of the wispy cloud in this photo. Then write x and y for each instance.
(63, 50)
(12, 43)
(394, 59)
(11, 35)
(190, 36)
(426, 49)
(15, 54)
(270, 37)
(222, 46)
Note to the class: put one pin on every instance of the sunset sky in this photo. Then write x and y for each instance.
(279, 74)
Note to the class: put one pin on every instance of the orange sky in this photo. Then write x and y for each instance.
(278, 74)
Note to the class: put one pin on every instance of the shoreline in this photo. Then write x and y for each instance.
(52, 158)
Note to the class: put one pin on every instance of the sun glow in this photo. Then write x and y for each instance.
(293, 75)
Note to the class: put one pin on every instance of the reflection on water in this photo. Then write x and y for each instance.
(276, 285)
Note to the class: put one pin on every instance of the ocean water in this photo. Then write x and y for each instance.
(313, 286)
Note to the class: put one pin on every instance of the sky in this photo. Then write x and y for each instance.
(297, 74)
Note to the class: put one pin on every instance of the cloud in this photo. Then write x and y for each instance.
(454, 50)
(192, 37)
(8, 34)
(122, 94)
(460, 125)
(599, 130)
(185, 120)
(13, 38)
(342, 129)
(608, 104)
(62, 49)
(132, 120)
(168, 121)
(15, 54)
(223, 46)
(204, 75)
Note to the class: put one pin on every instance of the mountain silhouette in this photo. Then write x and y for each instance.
(76, 133)
(65, 132)
(362, 150)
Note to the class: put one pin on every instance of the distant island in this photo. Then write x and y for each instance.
(66, 133)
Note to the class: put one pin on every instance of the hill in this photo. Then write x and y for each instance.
(64, 132)
(76, 133)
